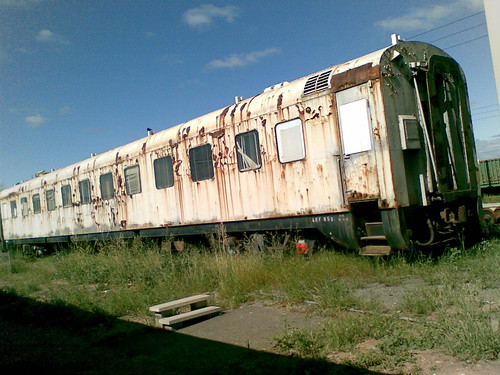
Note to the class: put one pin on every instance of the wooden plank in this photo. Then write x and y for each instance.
(374, 238)
(176, 319)
(179, 303)
(373, 250)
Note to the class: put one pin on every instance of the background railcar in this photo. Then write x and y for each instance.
(376, 154)
(490, 174)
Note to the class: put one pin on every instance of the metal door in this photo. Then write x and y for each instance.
(355, 116)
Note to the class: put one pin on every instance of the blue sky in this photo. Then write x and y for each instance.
(85, 76)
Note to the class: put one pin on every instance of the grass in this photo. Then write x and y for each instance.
(445, 303)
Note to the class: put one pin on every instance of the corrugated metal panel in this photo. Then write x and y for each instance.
(490, 172)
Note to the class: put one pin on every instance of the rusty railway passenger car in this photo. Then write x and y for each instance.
(375, 154)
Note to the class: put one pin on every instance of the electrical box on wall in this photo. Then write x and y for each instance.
(410, 134)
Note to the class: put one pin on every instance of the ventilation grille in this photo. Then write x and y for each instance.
(317, 82)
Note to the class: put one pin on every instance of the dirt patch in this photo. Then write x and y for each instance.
(432, 362)
(387, 296)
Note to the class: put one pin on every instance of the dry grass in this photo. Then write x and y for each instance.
(448, 299)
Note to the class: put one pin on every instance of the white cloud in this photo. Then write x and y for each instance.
(47, 36)
(431, 16)
(35, 121)
(203, 16)
(242, 59)
(488, 149)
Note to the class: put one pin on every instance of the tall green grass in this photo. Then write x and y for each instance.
(444, 297)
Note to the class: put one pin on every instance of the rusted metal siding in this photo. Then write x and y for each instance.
(309, 186)
(326, 181)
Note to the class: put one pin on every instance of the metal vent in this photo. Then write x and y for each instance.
(317, 82)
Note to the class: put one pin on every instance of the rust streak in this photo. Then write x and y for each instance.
(354, 77)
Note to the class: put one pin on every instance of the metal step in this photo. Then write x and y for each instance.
(374, 238)
(375, 241)
(376, 250)
(375, 228)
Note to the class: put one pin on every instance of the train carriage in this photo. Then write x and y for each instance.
(375, 154)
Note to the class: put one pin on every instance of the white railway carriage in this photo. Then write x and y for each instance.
(375, 154)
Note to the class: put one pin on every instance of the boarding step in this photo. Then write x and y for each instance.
(376, 250)
(172, 314)
(175, 321)
(374, 229)
(195, 302)
(374, 238)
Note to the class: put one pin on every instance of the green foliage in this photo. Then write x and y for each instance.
(304, 343)
(443, 297)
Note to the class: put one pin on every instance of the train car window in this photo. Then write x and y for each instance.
(290, 139)
(132, 180)
(248, 151)
(355, 126)
(13, 208)
(37, 208)
(84, 187)
(200, 161)
(164, 172)
(5, 211)
(50, 197)
(24, 206)
(66, 195)
(107, 188)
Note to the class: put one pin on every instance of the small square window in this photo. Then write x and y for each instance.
(107, 187)
(50, 197)
(290, 140)
(200, 161)
(248, 151)
(66, 195)
(37, 208)
(84, 187)
(132, 180)
(164, 172)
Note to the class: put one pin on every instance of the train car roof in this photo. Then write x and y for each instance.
(285, 94)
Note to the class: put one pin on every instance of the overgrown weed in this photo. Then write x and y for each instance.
(443, 295)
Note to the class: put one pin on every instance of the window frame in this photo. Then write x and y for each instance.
(13, 209)
(242, 157)
(158, 164)
(5, 211)
(283, 148)
(66, 195)
(355, 126)
(24, 206)
(89, 198)
(51, 199)
(110, 183)
(197, 166)
(128, 181)
(37, 207)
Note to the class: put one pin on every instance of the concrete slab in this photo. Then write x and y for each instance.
(250, 326)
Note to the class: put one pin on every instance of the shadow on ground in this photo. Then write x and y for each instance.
(64, 340)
